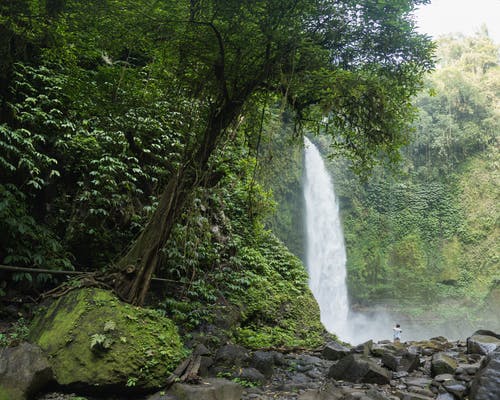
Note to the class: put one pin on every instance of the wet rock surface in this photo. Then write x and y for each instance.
(24, 370)
(486, 383)
(378, 371)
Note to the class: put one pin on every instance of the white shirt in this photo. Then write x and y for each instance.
(397, 332)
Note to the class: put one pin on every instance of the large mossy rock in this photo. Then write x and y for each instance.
(94, 340)
(277, 307)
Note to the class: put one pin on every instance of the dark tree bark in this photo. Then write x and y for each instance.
(139, 264)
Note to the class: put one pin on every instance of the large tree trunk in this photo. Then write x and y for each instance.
(137, 267)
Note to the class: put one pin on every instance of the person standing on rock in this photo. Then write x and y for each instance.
(397, 333)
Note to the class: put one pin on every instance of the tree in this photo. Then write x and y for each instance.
(461, 117)
(205, 65)
(358, 64)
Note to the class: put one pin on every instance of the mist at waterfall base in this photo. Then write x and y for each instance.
(326, 265)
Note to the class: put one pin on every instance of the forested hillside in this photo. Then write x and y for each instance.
(132, 135)
(151, 202)
(428, 234)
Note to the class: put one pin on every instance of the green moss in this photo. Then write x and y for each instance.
(140, 343)
(10, 394)
(278, 308)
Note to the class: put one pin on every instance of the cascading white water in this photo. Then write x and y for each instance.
(326, 255)
(326, 259)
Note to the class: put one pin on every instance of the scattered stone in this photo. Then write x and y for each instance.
(443, 364)
(422, 382)
(205, 364)
(423, 392)
(279, 358)
(405, 361)
(334, 351)
(305, 376)
(358, 368)
(264, 362)
(374, 394)
(305, 367)
(486, 333)
(232, 355)
(413, 396)
(399, 375)
(445, 396)
(482, 344)
(308, 359)
(250, 375)
(201, 350)
(329, 392)
(364, 348)
(455, 387)
(464, 378)
(472, 369)
(486, 384)
(315, 374)
(209, 389)
(24, 371)
(443, 377)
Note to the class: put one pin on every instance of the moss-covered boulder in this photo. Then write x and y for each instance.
(277, 307)
(94, 340)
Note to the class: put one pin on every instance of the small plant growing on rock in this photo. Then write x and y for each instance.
(100, 343)
(244, 382)
(131, 382)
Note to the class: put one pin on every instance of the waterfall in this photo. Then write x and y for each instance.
(326, 255)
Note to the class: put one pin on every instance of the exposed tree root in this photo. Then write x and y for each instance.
(187, 371)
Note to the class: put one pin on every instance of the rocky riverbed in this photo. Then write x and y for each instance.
(418, 370)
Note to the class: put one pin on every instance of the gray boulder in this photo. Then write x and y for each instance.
(363, 348)
(443, 364)
(486, 384)
(379, 349)
(403, 362)
(209, 389)
(359, 368)
(334, 351)
(250, 375)
(413, 396)
(264, 362)
(232, 355)
(482, 344)
(457, 388)
(486, 333)
(443, 378)
(445, 396)
(24, 371)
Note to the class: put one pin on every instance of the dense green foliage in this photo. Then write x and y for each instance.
(103, 103)
(280, 169)
(151, 122)
(222, 258)
(429, 233)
